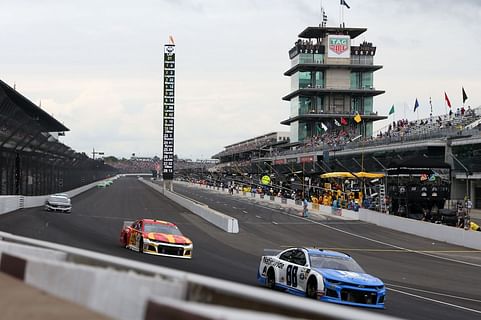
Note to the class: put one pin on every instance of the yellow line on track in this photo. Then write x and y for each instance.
(389, 250)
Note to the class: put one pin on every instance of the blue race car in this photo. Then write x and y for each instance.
(321, 274)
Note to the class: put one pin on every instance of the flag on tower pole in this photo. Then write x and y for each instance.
(465, 96)
(392, 110)
(357, 118)
(416, 104)
(343, 121)
(344, 3)
(447, 99)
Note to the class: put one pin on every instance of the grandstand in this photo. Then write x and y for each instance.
(33, 161)
(135, 164)
(331, 127)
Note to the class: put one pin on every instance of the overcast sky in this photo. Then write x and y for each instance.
(97, 65)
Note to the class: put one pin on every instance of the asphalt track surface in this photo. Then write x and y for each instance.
(425, 279)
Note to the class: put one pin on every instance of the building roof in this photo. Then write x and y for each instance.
(264, 136)
(321, 66)
(32, 110)
(320, 91)
(321, 32)
(322, 116)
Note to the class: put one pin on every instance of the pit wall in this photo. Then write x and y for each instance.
(438, 232)
(214, 217)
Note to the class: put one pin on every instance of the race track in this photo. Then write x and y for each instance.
(425, 279)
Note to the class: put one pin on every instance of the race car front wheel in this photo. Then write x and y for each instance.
(311, 290)
(141, 245)
(271, 279)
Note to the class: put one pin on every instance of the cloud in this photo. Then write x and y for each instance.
(97, 66)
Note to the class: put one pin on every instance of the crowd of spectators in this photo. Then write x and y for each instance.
(338, 137)
(135, 166)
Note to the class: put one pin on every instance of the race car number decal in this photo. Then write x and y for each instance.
(291, 276)
(271, 262)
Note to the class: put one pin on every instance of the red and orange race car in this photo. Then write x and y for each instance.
(155, 237)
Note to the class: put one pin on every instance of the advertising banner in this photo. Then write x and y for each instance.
(338, 46)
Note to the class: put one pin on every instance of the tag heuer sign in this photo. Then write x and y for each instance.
(339, 46)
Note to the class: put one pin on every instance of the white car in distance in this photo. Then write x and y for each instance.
(58, 202)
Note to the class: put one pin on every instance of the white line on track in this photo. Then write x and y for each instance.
(366, 238)
(258, 217)
(432, 292)
(374, 240)
(436, 301)
(274, 222)
(244, 211)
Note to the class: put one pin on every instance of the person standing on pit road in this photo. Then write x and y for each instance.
(469, 205)
(460, 213)
(305, 211)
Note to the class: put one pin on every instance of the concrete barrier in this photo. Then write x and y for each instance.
(27, 251)
(439, 232)
(9, 203)
(290, 203)
(217, 218)
(121, 295)
(12, 203)
(122, 288)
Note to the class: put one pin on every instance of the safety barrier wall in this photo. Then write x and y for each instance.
(439, 232)
(128, 289)
(9, 203)
(324, 210)
(29, 251)
(12, 203)
(217, 218)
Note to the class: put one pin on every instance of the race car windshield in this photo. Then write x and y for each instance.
(59, 199)
(161, 228)
(336, 263)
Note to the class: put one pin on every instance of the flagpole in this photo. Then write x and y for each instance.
(342, 10)
(340, 15)
(405, 117)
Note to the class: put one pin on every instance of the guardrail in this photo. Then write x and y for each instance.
(128, 289)
(217, 218)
